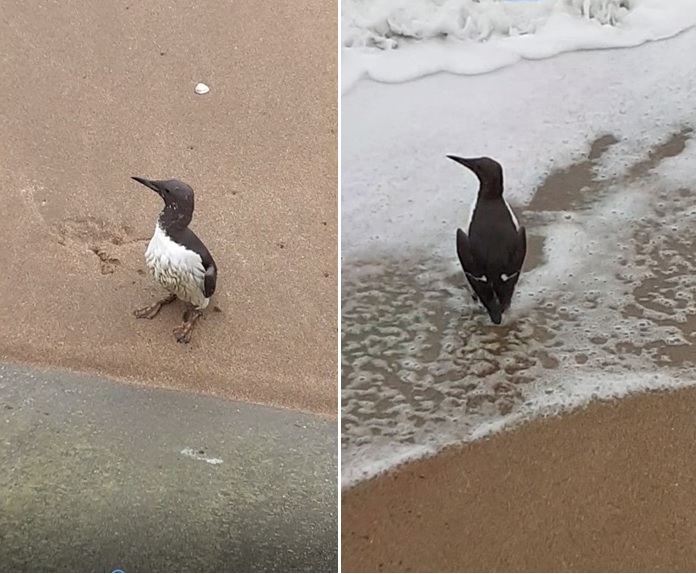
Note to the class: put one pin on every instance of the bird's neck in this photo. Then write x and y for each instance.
(171, 218)
(491, 192)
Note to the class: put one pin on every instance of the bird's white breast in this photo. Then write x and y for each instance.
(470, 217)
(512, 215)
(177, 269)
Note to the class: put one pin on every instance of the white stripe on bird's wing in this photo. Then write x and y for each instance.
(504, 277)
(482, 279)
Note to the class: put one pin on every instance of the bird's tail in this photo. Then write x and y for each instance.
(495, 310)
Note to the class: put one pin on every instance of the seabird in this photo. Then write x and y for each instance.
(177, 259)
(493, 249)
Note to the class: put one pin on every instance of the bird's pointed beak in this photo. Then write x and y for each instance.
(153, 185)
(471, 163)
(463, 161)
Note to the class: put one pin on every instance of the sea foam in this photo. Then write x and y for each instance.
(401, 40)
(606, 302)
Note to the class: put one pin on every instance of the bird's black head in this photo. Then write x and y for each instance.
(488, 171)
(178, 200)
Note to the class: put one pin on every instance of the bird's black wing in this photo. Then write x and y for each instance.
(188, 237)
(210, 281)
(506, 288)
(463, 251)
(475, 273)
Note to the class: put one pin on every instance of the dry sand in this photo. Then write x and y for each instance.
(93, 93)
(607, 489)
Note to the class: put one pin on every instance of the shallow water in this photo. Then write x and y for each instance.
(422, 366)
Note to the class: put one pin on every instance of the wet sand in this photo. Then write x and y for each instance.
(95, 93)
(422, 368)
(603, 488)
(204, 502)
(606, 489)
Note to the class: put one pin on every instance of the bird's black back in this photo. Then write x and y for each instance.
(492, 254)
(494, 240)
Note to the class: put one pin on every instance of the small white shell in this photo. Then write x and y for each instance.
(202, 89)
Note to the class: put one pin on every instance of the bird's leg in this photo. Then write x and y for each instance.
(183, 331)
(151, 311)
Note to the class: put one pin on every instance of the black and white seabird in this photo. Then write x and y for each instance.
(177, 259)
(493, 249)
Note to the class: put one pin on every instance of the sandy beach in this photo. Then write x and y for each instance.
(603, 324)
(605, 489)
(96, 93)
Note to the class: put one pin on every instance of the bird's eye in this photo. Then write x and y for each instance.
(167, 190)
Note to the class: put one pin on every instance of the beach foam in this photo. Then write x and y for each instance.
(401, 40)
(607, 306)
